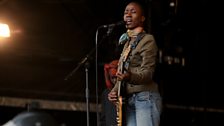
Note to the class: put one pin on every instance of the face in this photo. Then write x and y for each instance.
(133, 16)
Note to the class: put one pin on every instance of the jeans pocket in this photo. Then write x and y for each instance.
(142, 96)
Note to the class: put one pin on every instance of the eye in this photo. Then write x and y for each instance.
(133, 11)
(126, 12)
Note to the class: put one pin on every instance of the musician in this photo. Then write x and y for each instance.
(108, 114)
(138, 60)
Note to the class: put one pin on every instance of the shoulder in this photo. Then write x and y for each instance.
(148, 37)
(148, 42)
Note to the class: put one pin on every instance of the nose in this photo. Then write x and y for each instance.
(128, 14)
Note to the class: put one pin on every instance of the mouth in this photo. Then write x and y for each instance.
(128, 21)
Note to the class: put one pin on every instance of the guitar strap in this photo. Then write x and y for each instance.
(127, 53)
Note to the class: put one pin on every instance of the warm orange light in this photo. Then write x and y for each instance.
(4, 30)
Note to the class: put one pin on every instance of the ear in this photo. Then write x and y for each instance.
(143, 18)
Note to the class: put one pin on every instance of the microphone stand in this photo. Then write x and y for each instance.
(109, 31)
(87, 65)
(87, 92)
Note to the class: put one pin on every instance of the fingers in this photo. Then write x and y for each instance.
(121, 76)
(112, 96)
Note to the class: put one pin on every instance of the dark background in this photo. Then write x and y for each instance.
(50, 38)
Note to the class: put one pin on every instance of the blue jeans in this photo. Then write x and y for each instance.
(144, 109)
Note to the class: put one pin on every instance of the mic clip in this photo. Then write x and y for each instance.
(110, 29)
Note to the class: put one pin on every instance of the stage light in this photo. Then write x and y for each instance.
(4, 30)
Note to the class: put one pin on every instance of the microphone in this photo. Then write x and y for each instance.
(113, 25)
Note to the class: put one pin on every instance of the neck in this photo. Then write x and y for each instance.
(134, 32)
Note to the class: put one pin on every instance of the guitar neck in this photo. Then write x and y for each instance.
(121, 70)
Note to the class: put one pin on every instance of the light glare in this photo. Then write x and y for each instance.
(4, 30)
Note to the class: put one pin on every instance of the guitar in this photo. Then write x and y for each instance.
(121, 110)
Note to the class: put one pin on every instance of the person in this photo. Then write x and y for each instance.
(138, 61)
(108, 114)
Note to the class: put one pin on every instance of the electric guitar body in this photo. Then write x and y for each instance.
(121, 110)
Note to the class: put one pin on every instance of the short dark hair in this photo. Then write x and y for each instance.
(141, 4)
